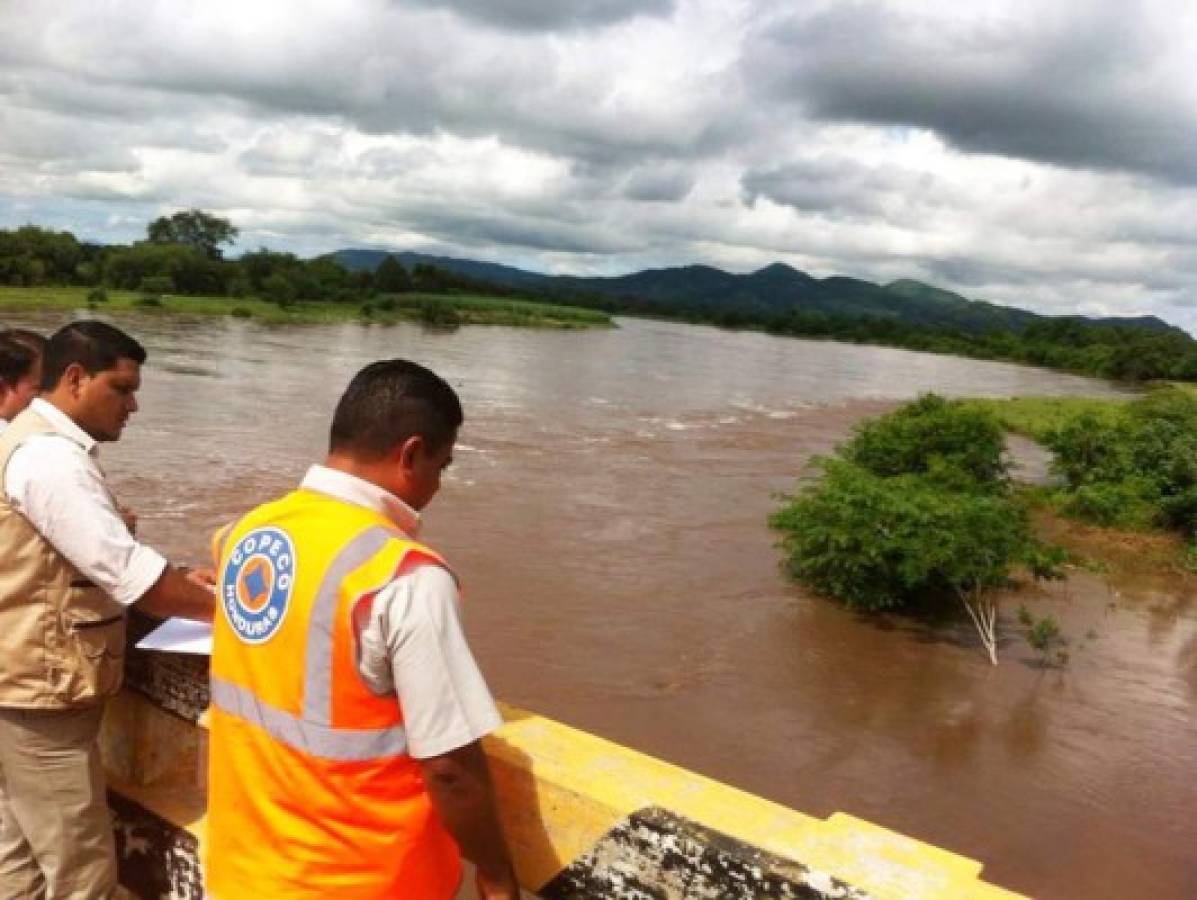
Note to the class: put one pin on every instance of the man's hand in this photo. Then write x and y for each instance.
(128, 517)
(505, 889)
(181, 593)
(205, 578)
(460, 787)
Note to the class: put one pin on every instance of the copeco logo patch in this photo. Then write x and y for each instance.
(255, 587)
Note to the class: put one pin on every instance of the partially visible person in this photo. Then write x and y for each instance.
(20, 371)
(347, 711)
(69, 570)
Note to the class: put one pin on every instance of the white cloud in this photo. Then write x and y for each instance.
(1042, 156)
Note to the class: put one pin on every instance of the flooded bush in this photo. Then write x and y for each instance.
(877, 542)
(917, 505)
(1044, 637)
(442, 313)
(952, 442)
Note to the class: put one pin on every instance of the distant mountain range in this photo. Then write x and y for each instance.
(775, 290)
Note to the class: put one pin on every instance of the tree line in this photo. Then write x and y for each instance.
(1071, 344)
(183, 254)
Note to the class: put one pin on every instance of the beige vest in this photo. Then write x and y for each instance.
(62, 639)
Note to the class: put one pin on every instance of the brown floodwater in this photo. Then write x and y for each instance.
(607, 514)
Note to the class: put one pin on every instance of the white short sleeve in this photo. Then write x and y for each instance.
(59, 488)
(413, 644)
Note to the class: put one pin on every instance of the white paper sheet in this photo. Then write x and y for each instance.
(179, 636)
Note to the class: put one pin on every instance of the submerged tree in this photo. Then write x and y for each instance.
(941, 525)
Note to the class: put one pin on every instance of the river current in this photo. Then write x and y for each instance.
(606, 512)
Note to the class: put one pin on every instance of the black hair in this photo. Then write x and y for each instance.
(96, 346)
(19, 352)
(390, 401)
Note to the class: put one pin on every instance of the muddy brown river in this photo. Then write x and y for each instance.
(607, 514)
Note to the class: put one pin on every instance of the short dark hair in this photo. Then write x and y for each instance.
(97, 346)
(390, 401)
(20, 349)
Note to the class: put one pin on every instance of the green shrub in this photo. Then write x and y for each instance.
(916, 506)
(1044, 637)
(442, 313)
(1088, 449)
(1125, 504)
(97, 295)
(958, 445)
(1168, 404)
(157, 284)
(148, 301)
(877, 543)
(1044, 634)
(1179, 511)
(240, 312)
(280, 289)
(1135, 470)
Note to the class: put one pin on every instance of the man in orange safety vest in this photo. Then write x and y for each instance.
(346, 707)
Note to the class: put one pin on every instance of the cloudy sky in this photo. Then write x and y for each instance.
(1031, 153)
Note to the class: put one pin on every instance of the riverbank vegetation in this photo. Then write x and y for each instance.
(915, 508)
(1120, 353)
(436, 310)
(182, 256)
(1128, 464)
(919, 504)
(180, 268)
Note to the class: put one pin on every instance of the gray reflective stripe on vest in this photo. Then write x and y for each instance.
(347, 744)
(317, 666)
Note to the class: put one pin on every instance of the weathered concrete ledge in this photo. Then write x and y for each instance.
(586, 818)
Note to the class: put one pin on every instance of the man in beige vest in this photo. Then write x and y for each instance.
(69, 569)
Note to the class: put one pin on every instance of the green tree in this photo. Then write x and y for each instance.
(933, 435)
(916, 506)
(391, 278)
(279, 288)
(194, 228)
(190, 271)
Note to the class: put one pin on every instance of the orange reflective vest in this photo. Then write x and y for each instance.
(310, 790)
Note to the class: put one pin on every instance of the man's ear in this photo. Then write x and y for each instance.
(73, 376)
(409, 450)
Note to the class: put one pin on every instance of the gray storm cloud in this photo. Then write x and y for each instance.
(1040, 154)
(1096, 88)
(536, 15)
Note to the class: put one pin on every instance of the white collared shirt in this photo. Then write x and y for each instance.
(55, 482)
(412, 643)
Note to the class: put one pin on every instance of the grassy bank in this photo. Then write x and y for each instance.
(1038, 417)
(437, 309)
(1127, 470)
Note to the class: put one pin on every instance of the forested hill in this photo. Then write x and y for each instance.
(768, 295)
(182, 254)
